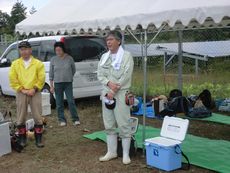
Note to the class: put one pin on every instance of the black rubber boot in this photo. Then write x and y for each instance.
(38, 129)
(22, 135)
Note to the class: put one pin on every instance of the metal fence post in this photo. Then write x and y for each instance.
(196, 66)
(180, 60)
(164, 62)
(145, 85)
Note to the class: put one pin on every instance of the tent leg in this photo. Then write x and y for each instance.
(144, 51)
(145, 87)
(123, 39)
(180, 57)
(155, 36)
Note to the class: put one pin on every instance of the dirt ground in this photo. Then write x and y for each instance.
(67, 151)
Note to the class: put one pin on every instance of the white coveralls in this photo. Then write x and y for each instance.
(121, 113)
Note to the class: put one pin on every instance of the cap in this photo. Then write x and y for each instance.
(109, 104)
(24, 44)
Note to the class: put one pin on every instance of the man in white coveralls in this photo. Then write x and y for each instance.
(115, 73)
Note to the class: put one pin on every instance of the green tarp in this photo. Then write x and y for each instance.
(203, 152)
(218, 118)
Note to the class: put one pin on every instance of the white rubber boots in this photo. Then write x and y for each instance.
(112, 149)
(126, 146)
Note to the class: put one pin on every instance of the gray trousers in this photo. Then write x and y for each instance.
(118, 117)
(22, 102)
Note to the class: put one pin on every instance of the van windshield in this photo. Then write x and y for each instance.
(85, 48)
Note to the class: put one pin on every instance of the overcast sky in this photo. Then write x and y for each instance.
(6, 5)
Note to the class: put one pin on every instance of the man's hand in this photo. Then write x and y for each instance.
(110, 95)
(52, 89)
(24, 91)
(113, 86)
(31, 92)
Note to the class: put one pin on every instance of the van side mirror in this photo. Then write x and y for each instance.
(5, 62)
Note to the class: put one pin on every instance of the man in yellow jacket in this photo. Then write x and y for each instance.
(27, 78)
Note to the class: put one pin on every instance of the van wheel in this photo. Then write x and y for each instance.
(46, 89)
(1, 93)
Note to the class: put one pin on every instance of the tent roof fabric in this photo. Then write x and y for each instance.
(76, 15)
(212, 49)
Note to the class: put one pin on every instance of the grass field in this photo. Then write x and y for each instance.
(217, 81)
(66, 151)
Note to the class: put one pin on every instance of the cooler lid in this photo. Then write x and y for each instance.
(162, 141)
(174, 128)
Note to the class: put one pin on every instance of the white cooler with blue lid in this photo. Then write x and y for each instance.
(164, 152)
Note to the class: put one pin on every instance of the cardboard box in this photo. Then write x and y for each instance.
(5, 144)
(46, 109)
(45, 98)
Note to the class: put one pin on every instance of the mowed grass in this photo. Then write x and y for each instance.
(67, 151)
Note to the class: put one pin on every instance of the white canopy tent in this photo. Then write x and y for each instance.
(70, 15)
(76, 15)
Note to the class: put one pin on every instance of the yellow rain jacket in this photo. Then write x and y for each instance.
(27, 78)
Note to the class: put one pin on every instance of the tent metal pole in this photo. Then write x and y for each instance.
(158, 32)
(142, 51)
(134, 36)
(139, 41)
(180, 58)
(145, 51)
(123, 39)
(145, 86)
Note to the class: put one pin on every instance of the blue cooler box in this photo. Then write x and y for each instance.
(164, 152)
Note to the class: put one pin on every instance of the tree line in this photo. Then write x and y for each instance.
(9, 21)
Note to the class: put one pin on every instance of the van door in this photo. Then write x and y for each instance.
(9, 56)
(86, 52)
(46, 53)
(35, 45)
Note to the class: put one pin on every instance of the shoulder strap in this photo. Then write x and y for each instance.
(186, 158)
(179, 151)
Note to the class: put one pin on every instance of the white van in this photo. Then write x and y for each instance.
(86, 51)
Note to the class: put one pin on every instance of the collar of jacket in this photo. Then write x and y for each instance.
(32, 60)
